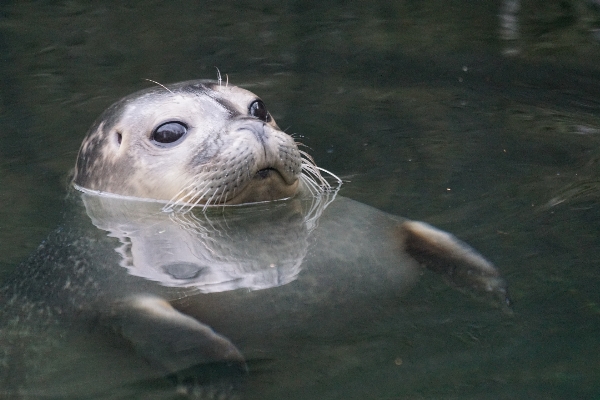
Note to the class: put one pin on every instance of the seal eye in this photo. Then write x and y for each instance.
(183, 270)
(169, 132)
(259, 110)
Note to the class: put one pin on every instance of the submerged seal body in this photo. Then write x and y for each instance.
(153, 275)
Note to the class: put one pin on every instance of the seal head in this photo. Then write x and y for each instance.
(194, 142)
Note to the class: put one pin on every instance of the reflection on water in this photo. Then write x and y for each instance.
(504, 154)
(245, 248)
(509, 25)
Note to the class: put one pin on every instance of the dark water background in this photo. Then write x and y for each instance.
(482, 118)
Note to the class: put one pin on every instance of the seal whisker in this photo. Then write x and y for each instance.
(307, 174)
(223, 193)
(199, 198)
(310, 185)
(194, 200)
(160, 84)
(180, 204)
(178, 198)
(312, 172)
(311, 169)
(331, 174)
(208, 202)
(300, 144)
(317, 189)
(219, 80)
(315, 182)
(194, 204)
(308, 166)
(307, 157)
(189, 197)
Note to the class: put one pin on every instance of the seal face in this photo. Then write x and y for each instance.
(194, 142)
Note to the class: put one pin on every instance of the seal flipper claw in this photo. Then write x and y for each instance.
(446, 255)
(172, 340)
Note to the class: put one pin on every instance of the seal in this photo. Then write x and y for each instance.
(150, 257)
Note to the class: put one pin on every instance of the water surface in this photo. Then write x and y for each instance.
(482, 119)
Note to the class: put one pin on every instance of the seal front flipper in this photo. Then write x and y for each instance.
(458, 262)
(171, 340)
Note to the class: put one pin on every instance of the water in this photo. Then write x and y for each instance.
(480, 119)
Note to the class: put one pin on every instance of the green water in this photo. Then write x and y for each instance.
(440, 111)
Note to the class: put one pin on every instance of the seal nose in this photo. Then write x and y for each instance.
(268, 151)
(257, 128)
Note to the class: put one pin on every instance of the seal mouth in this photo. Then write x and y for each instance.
(273, 172)
(267, 184)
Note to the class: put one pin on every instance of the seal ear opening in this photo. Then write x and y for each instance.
(118, 138)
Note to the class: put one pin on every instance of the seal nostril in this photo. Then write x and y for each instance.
(119, 138)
